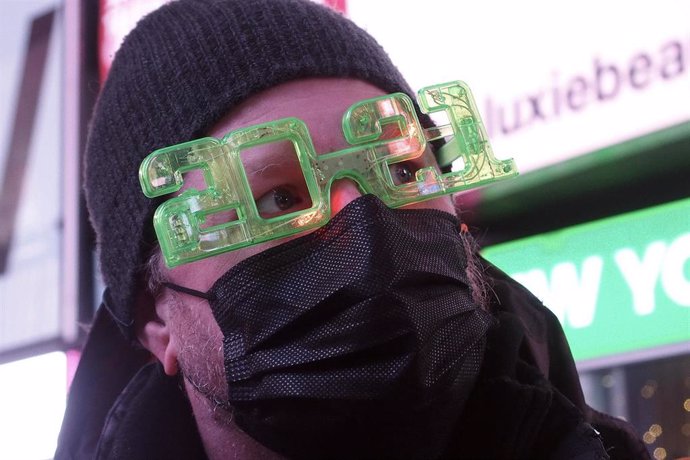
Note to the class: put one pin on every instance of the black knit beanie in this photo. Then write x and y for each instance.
(179, 71)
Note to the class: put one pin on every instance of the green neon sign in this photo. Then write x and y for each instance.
(617, 285)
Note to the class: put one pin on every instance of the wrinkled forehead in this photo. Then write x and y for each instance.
(319, 102)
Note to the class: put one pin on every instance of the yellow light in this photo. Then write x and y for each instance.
(648, 389)
(649, 438)
(659, 453)
(685, 429)
(656, 430)
(686, 405)
(647, 392)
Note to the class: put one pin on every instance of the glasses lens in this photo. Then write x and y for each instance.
(276, 179)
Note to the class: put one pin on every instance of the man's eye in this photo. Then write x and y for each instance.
(278, 201)
(402, 173)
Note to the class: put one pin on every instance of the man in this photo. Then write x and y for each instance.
(367, 336)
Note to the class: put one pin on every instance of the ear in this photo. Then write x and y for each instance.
(153, 330)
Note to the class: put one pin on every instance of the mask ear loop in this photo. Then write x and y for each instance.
(189, 291)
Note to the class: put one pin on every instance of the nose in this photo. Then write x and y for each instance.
(342, 192)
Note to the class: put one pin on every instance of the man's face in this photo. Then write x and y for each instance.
(320, 103)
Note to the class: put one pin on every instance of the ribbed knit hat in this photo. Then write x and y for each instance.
(179, 71)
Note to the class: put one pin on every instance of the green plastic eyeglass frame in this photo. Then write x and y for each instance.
(179, 221)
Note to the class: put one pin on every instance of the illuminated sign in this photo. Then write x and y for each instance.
(31, 202)
(551, 81)
(617, 285)
(118, 17)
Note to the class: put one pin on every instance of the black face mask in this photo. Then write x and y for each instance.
(359, 340)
